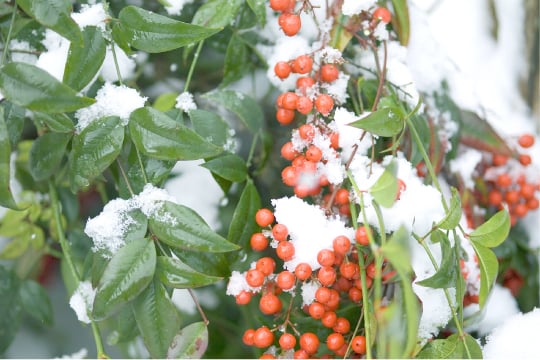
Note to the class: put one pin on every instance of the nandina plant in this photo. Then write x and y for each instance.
(352, 222)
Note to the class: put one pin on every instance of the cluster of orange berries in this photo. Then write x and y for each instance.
(288, 21)
(337, 282)
(517, 193)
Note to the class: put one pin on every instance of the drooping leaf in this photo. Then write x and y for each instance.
(244, 106)
(216, 13)
(190, 343)
(47, 153)
(157, 318)
(174, 273)
(56, 122)
(36, 302)
(35, 89)
(386, 188)
(243, 223)
(160, 137)
(383, 122)
(6, 197)
(236, 60)
(445, 276)
(259, 9)
(400, 21)
(452, 347)
(153, 33)
(451, 220)
(477, 133)
(180, 227)
(10, 308)
(94, 149)
(84, 62)
(489, 267)
(210, 126)
(229, 166)
(55, 15)
(494, 231)
(128, 273)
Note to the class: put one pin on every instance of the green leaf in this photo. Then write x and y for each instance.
(127, 274)
(383, 122)
(10, 308)
(36, 302)
(47, 153)
(445, 277)
(6, 197)
(400, 21)
(489, 267)
(190, 343)
(217, 13)
(125, 327)
(451, 220)
(138, 228)
(153, 33)
(386, 188)
(236, 60)
(18, 245)
(55, 15)
(214, 264)
(94, 149)
(477, 133)
(157, 318)
(160, 137)
(84, 62)
(451, 348)
(494, 231)
(56, 122)
(35, 89)
(259, 9)
(243, 223)
(14, 117)
(245, 107)
(165, 101)
(228, 166)
(210, 126)
(180, 227)
(174, 273)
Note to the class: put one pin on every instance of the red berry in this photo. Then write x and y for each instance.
(361, 236)
(289, 101)
(282, 69)
(284, 116)
(285, 250)
(341, 245)
(285, 280)
(504, 180)
(266, 265)
(264, 217)
(270, 304)
(280, 232)
(382, 14)
(258, 242)
(525, 159)
(313, 153)
(263, 337)
(326, 257)
(302, 83)
(289, 176)
(358, 344)
(309, 342)
(282, 5)
(342, 197)
(499, 160)
(329, 72)
(303, 271)
(335, 341)
(287, 341)
(290, 23)
(526, 140)
(324, 104)
(247, 338)
(304, 105)
(254, 278)
(316, 310)
(288, 152)
(327, 275)
(306, 132)
(243, 298)
(342, 325)
(302, 64)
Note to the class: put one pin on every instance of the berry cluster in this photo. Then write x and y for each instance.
(288, 21)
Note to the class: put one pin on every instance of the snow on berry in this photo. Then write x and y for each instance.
(237, 283)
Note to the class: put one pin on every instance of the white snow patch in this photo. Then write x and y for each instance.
(175, 7)
(353, 7)
(91, 15)
(82, 301)
(185, 102)
(465, 164)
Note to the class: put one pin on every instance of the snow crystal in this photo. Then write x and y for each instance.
(338, 88)
(54, 59)
(435, 310)
(237, 283)
(81, 354)
(174, 7)
(126, 65)
(111, 100)
(91, 15)
(309, 229)
(185, 102)
(20, 52)
(308, 292)
(516, 338)
(331, 55)
(349, 135)
(353, 7)
(380, 32)
(465, 164)
(82, 301)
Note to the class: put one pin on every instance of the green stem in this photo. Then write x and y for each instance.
(193, 64)
(130, 189)
(116, 65)
(10, 30)
(252, 150)
(143, 171)
(55, 205)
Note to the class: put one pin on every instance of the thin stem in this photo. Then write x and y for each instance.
(193, 64)
(382, 76)
(143, 171)
(252, 150)
(125, 177)
(116, 65)
(55, 205)
(203, 315)
(10, 30)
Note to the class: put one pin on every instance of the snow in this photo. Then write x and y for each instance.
(54, 59)
(185, 102)
(516, 338)
(309, 288)
(338, 88)
(82, 301)
(237, 283)
(91, 15)
(24, 55)
(111, 100)
(126, 65)
(353, 7)
(465, 164)
(81, 354)
(175, 7)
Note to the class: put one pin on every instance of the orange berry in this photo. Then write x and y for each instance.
(254, 278)
(527, 191)
(243, 298)
(287, 341)
(329, 72)
(326, 257)
(521, 210)
(290, 23)
(282, 5)
(280, 232)
(525, 159)
(266, 265)
(343, 284)
(309, 342)
(285, 280)
(288, 152)
(306, 132)
(263, 337)
(342, 197)
(349, 270)
(289, 101)
(355, 294)
(335, 341)
(324, 104)
(285, 250)
(382, 14)
(302, 64)
(313, 153)
(247, 337)
(304, 105)
(361, 236)
(358, 344)
(327, 275)
(334, 140)
(533, 204)
(316, 310)
(267, 356)
(401, 188)
(512, 197)
(303, 271)
(329, 319)
(341, 245)
(258, 242)
(499, 159)
(342, 325)
(284, 116)
(504, 180)
(282, 69)
(323, 295)
(264, 217)
(370, 270)
(303, 83)
(526, 140)
(289, 176)
(300, 354)
(270, 304)
(333, 302)
(495, 198)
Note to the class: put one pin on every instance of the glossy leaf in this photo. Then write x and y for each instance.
(190, 343)
(244, 106)
(157, 318)
(446, 275)
(452, 218)
(6, 197)
(229, 166)
(47, 153)
(160, 137)
(383, 122)
(125, 327)
(84, 62)
(153, 33)
(489, 267)
(452, 347)
(94, 149)
(56, 122)
(494, 231)
(209, 126)
(214, 264)
(165, 101)
(10, 308)
(386, 188)
(127, 274)
(180, 227)
(477, 133)
(14, 117)
(243, 223)
(55, 15)
(36, 302)
(174, 273)
(401, 21)
(35, 89)
(236, 60)
(259, 9)
(216, 13)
